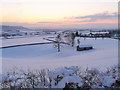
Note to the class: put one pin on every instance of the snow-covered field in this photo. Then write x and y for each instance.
(24, 40)
(104, 54)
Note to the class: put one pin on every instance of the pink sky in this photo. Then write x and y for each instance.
(58, 13)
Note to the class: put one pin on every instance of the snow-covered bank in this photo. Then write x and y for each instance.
(67, 77)
(104, 54)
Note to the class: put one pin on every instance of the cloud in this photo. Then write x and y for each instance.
(57, 22)
(100, 16)
(43, 22)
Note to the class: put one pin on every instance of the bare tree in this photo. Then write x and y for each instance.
(58, 40)
(71, 38)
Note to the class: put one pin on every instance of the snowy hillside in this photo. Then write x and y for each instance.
(104, 54)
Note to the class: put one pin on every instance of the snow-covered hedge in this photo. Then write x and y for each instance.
(67, 77)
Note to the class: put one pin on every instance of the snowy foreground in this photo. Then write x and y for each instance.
(67, 77)
(41, 66)
(104, 54)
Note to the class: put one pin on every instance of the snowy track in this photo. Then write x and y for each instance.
(25, 45)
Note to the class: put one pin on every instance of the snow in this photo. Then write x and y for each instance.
(64, 71)
(85, 45)
(25, 40)
(61, 77)
(108, 80)
(65, 75)
(104, 54)
(70, 79)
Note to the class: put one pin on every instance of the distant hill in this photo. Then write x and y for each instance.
(13, 28)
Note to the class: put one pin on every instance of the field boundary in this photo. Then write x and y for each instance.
(25, 45)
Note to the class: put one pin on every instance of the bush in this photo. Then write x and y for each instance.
(67, 77)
